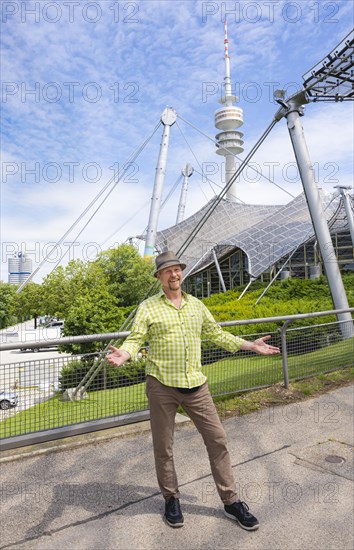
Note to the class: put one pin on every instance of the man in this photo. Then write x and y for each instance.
(173, 323)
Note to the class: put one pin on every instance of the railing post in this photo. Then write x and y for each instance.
(284, 352)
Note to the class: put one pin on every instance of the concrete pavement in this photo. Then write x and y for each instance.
(104, 494)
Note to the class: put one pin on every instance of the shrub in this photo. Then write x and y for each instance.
(109, 377)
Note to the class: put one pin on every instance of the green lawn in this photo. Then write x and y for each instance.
(55, 413)
(238, 373)
(226, 376)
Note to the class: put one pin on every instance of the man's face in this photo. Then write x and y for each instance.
(171, 277)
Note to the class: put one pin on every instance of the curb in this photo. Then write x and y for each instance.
(90, 438)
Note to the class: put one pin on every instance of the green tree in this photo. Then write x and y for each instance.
(94, 311)
(7, 304)
(28, 302)
(55, 293)
(64, 284)
(129, 275)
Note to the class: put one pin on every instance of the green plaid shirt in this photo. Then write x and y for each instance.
(174, 336)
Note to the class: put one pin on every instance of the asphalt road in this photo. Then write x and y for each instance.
(25, 332)
(26, 372)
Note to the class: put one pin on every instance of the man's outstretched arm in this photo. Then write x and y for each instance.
(212, 331)
(132, 343)
(117, 356)
(259, 346)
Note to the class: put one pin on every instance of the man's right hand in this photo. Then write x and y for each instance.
(117, 357)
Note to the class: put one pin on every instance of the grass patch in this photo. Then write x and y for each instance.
(242, 372)
(301, 390)
(55, 413)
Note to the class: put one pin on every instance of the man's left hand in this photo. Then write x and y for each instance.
(259, 346)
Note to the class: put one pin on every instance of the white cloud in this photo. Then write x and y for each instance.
(163, 58)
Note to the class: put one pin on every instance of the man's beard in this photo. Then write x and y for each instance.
(172, 284)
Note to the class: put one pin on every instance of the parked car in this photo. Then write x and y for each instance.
(55, 323)
(8, 399)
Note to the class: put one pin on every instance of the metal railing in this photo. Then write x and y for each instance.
(117, 396)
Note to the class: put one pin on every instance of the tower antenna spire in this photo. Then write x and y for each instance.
(227, 78)
(226, 40)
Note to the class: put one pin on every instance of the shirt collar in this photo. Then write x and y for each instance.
(162, 295)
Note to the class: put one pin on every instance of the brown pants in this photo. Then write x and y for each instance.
(200, 407)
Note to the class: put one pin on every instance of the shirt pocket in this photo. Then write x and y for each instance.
(193, 322)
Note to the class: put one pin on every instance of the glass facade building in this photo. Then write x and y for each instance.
(306, 263)
(254, 242)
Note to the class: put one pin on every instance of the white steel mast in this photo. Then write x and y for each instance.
(186, 172)
(168, 118)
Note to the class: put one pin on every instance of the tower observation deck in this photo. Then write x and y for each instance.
(228, 119)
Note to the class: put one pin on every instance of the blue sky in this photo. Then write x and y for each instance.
(84, 83)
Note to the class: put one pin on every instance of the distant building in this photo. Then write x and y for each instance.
(20, 268)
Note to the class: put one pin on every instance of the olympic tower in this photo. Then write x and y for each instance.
(227, 119)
